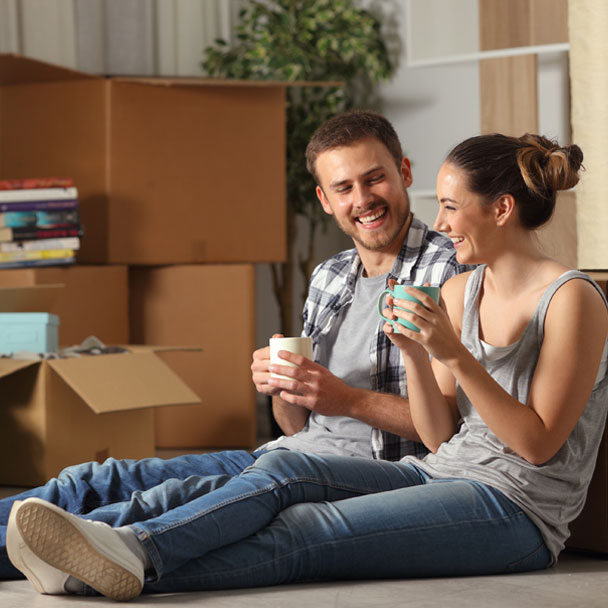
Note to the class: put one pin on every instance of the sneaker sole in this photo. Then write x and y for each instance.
(61, 545)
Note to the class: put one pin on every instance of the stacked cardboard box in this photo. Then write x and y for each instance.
(211, 305)
(172, 174)
(93, 300)
(169, 171)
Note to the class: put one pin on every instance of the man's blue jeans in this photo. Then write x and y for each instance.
(294, 517)
(84, 488)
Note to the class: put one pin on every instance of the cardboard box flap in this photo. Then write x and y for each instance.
(194, 81)
(113, 383)
(151, 348)
(36, 298)
(9, 366)
(16, 69)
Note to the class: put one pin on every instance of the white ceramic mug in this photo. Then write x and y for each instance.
(299, 346)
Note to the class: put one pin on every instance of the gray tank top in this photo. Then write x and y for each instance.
(551, 494)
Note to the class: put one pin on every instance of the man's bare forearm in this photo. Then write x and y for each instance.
(290, 418)
(386, 411)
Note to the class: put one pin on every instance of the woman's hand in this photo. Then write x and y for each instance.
(431, 386)
(408, 347)
(436, 335)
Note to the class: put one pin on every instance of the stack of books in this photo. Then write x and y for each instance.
(39, 222)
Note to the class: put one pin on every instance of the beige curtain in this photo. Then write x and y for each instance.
(588, 32)
(134, 37)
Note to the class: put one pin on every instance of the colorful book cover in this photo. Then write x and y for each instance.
(16, 256)
(38, 194)
(37, 244)
(39, 205)
(40, 262)
(50, 218)
(28, 183)
(30, 233)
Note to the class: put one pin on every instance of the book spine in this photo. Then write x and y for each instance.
(41, 262)
(67, 243)
(14, 219)
(43, 219)
(16, 256)
(39, 205)
(27, 234)
(36, 182)
(37, 194)
(50, 218)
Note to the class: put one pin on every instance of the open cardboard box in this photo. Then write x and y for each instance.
(168, 170)
(60, 412)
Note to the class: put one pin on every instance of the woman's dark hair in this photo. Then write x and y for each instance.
(531, 168)
(348, 128)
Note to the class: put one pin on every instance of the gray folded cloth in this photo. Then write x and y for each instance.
(89, 346)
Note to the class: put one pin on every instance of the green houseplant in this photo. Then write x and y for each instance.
(333, 42)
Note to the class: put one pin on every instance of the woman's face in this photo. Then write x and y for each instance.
(464, 216)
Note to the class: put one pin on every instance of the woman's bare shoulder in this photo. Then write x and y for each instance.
(455, 285)
(452, 294)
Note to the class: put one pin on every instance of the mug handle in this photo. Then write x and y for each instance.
(380, 302)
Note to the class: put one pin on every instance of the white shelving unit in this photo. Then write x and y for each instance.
(440, 32)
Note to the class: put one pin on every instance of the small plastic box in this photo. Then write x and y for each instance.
(35, 332)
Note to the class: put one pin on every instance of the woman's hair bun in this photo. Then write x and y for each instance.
(547, 167)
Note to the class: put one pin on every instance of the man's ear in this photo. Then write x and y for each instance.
(406, 172)
(324, 202)
(504, 208)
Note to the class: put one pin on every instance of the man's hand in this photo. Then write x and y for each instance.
(260, 373)
(311, 386)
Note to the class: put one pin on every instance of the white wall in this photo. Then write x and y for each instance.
(435, 107)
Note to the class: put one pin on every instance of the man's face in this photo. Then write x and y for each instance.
(361, 186)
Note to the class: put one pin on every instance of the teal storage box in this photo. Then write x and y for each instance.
(35, 332)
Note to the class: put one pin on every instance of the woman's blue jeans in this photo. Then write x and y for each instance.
(294, 517)
(87, 488)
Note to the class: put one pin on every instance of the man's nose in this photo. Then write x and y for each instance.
(363, 196)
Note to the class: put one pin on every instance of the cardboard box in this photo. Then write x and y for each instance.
(30, 331)
(168, 170)
(93, 301)
(211, 306)
(61, 412)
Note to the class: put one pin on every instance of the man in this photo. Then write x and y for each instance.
(351, 400)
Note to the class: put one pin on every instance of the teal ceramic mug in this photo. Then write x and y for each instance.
(398, 292)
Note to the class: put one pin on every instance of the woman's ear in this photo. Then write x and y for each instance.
(504, 208)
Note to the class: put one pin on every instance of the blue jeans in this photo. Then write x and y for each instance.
(294, 517)
(111, 491)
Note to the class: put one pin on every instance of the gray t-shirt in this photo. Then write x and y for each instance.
(346, 355)
(551, 494)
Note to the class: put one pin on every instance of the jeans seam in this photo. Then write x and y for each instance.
(541, 547)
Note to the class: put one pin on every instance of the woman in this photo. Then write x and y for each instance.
(512, 407)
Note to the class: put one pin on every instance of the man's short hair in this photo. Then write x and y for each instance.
(348, 128)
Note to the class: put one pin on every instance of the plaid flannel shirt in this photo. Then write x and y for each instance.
(426, 257)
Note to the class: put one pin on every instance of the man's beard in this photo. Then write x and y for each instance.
(376, 243)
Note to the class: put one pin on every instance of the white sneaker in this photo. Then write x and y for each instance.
(44, 578)
(49, 544)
